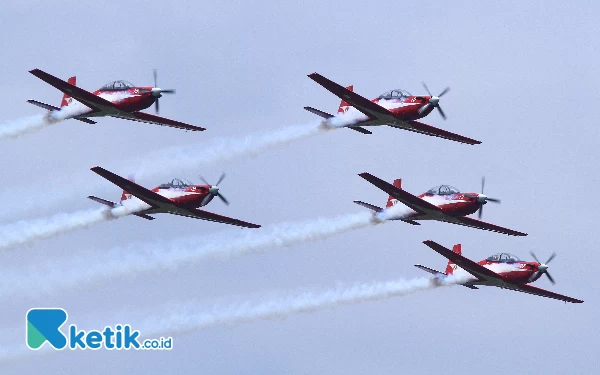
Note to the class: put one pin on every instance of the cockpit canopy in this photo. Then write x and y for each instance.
(503, 258)
(175, 184)
(443, 190)
(117, 85)
(394, 94)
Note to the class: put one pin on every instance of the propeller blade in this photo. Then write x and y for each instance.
(534, 257)
(167, 91)
(550, 278)
(425, 108)
(551, 257)
(482, 183)
(441, 112)
(156, 108)
(480, 212)
(207, 199)
(155, 73)
(495, 200)
(534, 276)
(444, 92)
(221, 179)
(426, 88)
(223, 199)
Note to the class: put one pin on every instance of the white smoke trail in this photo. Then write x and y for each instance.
(56, 275)
(164, 163)
(181, 320)
(26, 232)
(224, 149)
(32, 124)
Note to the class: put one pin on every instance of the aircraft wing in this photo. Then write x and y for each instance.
(408, 199)
(473, 223)
(372, 110)
(542, 292)
(156, 120)
(93, 101)
(422, 128)
(468, 265)
(205, 215)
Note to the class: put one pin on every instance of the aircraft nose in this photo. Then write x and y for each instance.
(156, 92)
(481, 198)
(434, 100)
(542, 267)
(214, 190)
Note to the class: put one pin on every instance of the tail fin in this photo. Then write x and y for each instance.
(344, 106)
(391, 200)
(66, 100)
(127, 195)
(451, 265)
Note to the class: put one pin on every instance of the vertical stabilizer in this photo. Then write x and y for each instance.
(451, 265)
(66, 100)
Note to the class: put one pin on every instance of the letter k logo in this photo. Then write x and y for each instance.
(44, 325)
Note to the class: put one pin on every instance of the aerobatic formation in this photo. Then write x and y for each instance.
(395, 108)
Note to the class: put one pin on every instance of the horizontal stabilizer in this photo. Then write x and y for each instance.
(103, 201)
(438, 273)
(412, 222)
(113, 205)
(318, 112)
(430, 270)
(328, 116)
(43, 105)
(369, 206)
(53, 108)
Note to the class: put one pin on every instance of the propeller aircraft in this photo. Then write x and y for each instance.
(395, 108)
(502, 270)
(119, 99)
(442, 203)
(177, 198)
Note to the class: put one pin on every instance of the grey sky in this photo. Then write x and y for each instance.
(523, 78)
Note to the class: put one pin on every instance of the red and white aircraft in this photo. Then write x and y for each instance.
(442, 203)
(118, 99)
(396, 108)
(501, 270)
(177, 198)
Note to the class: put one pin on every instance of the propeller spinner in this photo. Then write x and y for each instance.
(434, 101)
(213, 191)
(157, 92)
(542, 268)
(482, 198)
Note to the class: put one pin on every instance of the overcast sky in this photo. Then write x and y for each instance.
(523, 78)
